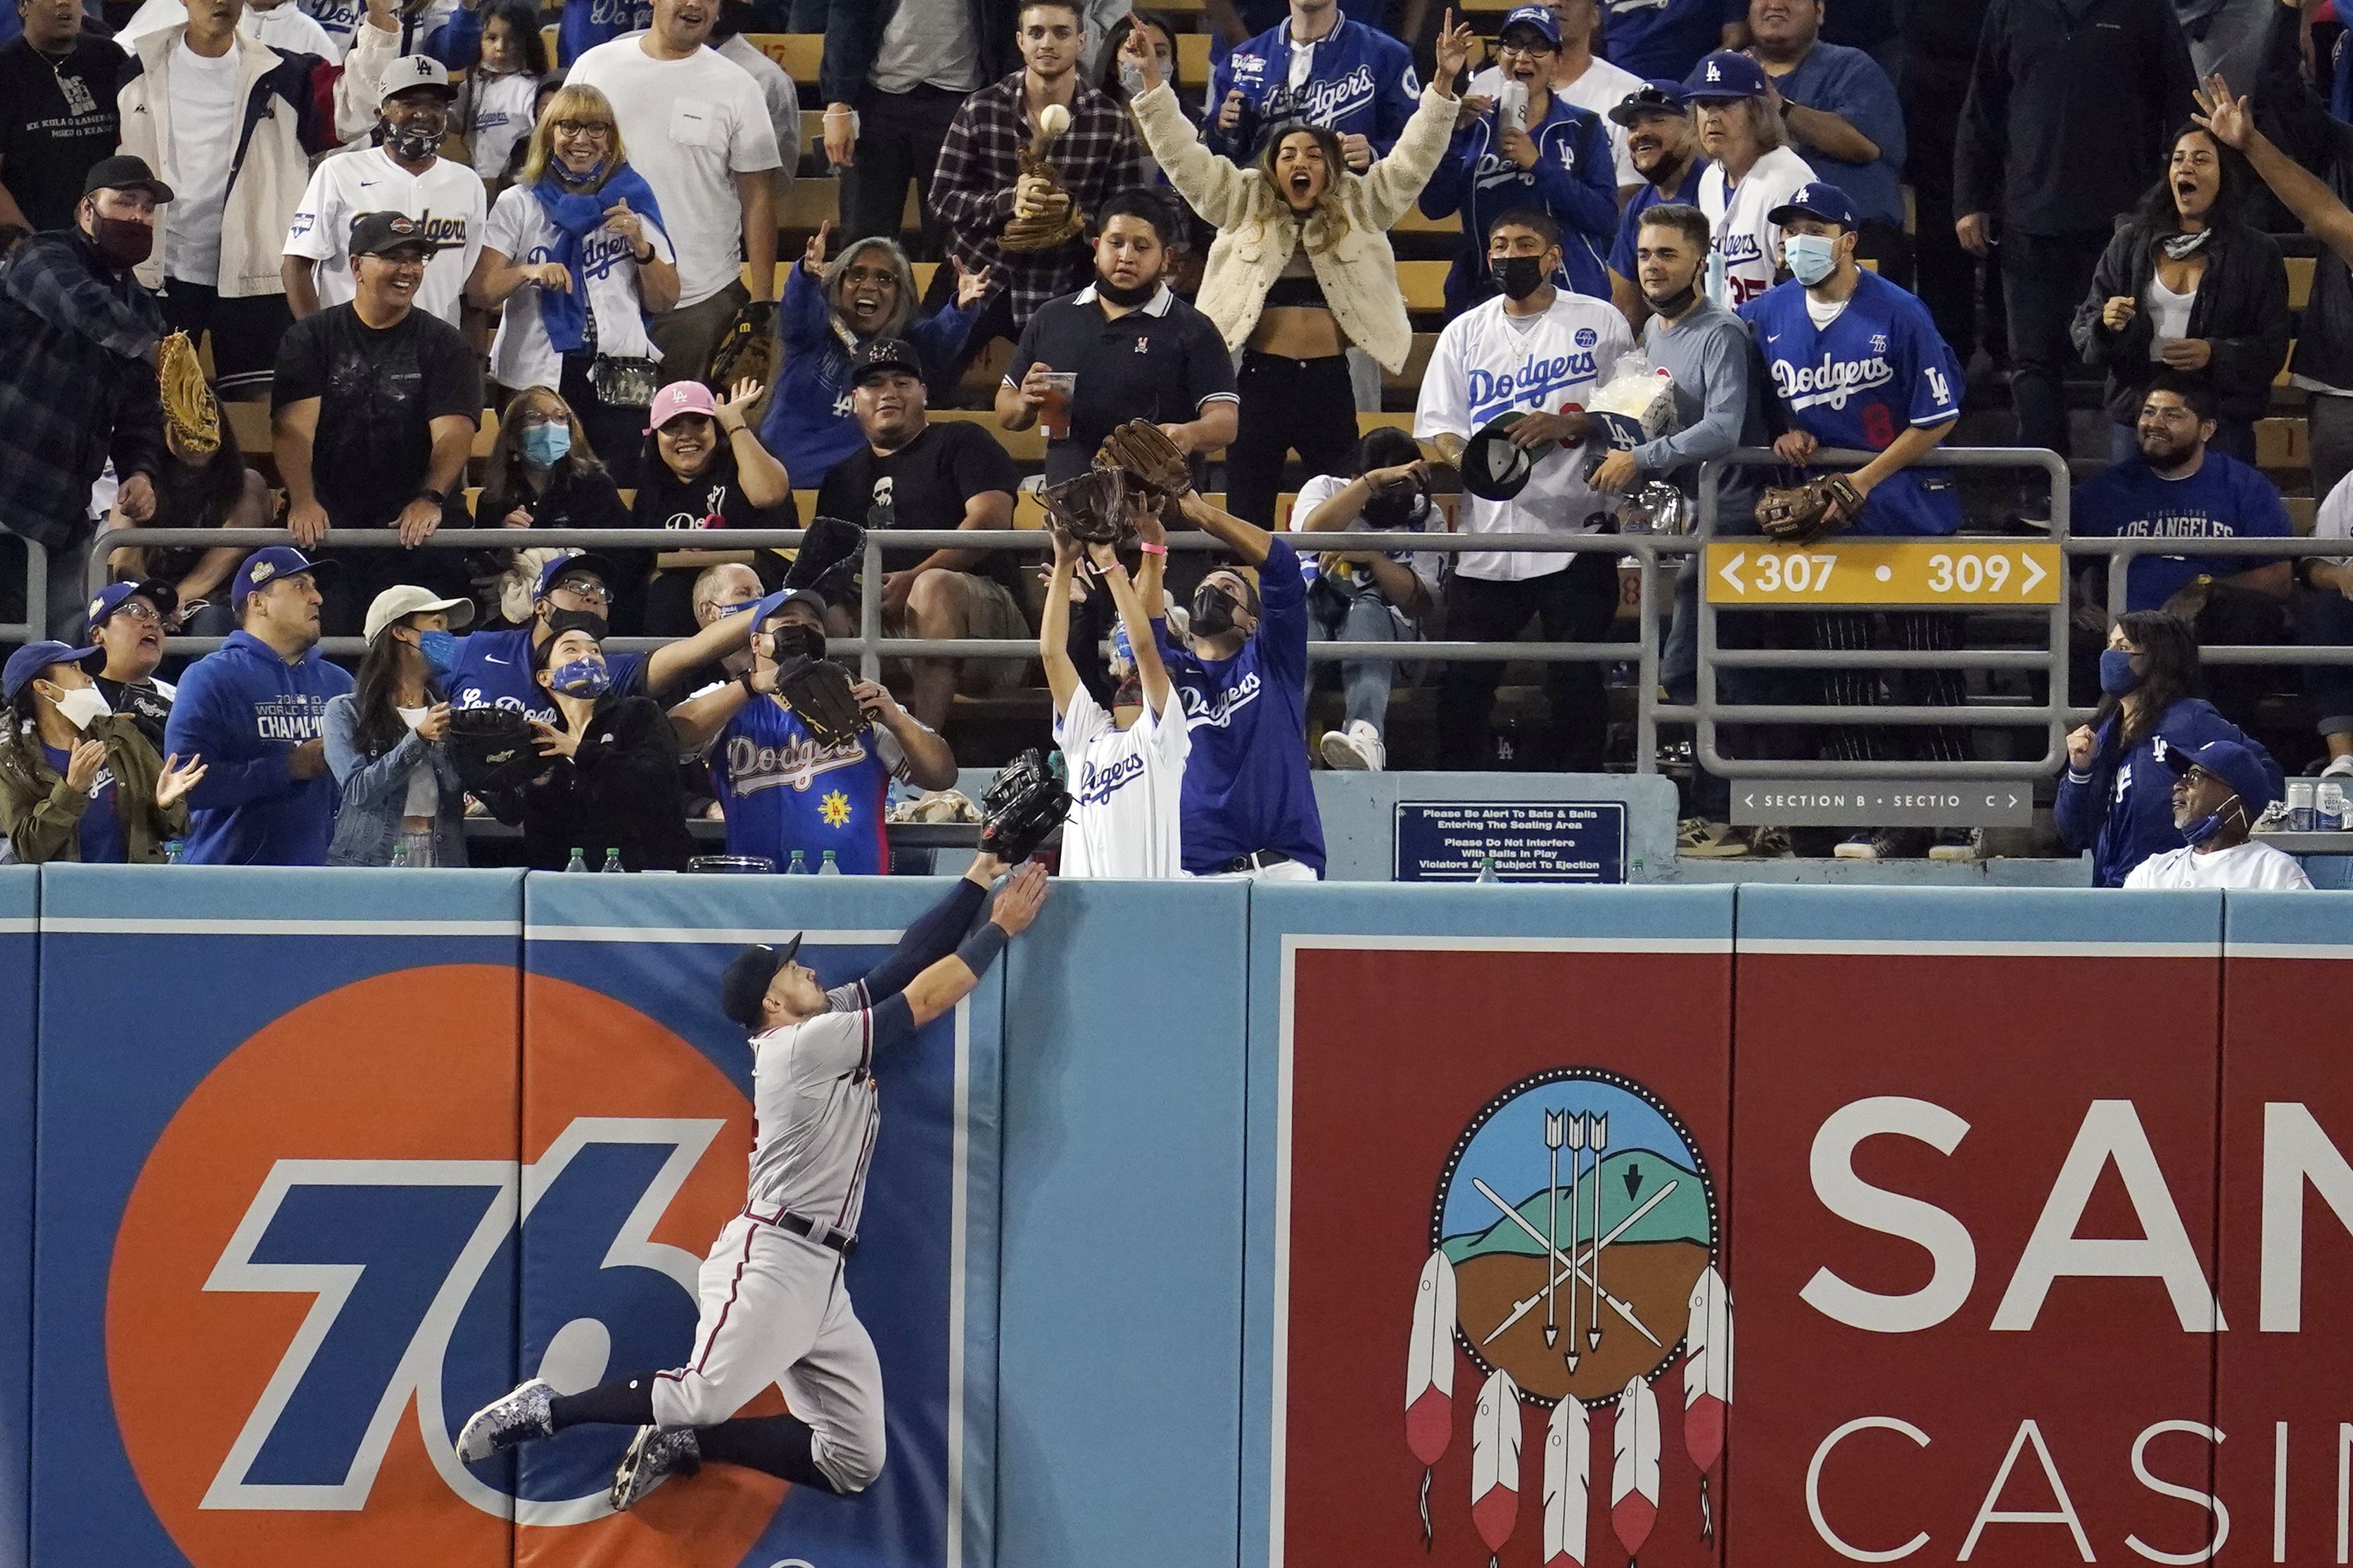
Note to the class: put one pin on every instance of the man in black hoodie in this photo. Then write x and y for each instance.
(2070, 107)
(2292, 115)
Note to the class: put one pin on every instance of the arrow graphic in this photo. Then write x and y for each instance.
(1633, 1182)
(2034, 573)
(1730, 572)
(1522, 1309)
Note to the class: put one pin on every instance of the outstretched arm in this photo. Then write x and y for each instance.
(953, 978)
(1246, 540)
(2302, 193)
(934, 935)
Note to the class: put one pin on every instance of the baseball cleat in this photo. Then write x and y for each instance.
(653, 1458)
(516, 1417)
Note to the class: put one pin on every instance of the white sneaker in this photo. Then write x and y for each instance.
(2338, 768)
(654, 1456)
(1357, 749)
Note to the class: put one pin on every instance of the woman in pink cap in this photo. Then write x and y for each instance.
(703, 468)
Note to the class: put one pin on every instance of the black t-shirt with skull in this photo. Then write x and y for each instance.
(924, 484)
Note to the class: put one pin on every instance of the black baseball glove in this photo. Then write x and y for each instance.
(1024, 805)
(818, 689)
(829, 542)
(492, 749)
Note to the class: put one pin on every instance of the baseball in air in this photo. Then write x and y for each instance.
(1053, 120)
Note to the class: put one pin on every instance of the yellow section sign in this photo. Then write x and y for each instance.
(1927, 573)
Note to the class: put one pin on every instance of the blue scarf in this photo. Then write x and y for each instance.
(576, 214)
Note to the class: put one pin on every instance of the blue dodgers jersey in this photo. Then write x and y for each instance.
(1246, 782)
(1877, 369)
(783, 791)
(493, 671)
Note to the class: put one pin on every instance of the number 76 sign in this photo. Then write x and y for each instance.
(1925, 573)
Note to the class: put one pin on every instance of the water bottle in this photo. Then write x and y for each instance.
(1487, 870)
(578, 863)
(828, 868)
(613, 860)
(172, 850)
(400, 856)
(799, 867)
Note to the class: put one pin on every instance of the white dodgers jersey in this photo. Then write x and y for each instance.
(1126, 790)
(1748, 251)
(1488, 364)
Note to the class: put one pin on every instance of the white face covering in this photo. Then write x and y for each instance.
(83, 706)
(412, 717)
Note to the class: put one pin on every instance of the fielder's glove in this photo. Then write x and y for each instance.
(492, 751)
(1144, 452)
(829, 542)
(818, 689)
(1025, 803)
(1092, 508)
(1800, 514)
(748, 348)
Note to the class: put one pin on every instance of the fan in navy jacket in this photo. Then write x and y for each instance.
(1355, 80)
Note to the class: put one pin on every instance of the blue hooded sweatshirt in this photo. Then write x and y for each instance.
(1574, 180)
(2122, 810)
(243, 711)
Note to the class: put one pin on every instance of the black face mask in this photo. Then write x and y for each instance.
(1675, 304)
(125, 242)
(1126, 299)
(796, 639)
(1519, 275)
(414, 145)
(1213, 611)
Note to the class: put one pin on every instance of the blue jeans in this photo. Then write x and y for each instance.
(1365, 682)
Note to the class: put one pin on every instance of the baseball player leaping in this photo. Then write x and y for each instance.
(775, 1308)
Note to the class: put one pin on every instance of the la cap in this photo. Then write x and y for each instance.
(1725, 74)
(2229, 761)
(412, 71)
(1493, 468)
(410, 600)
(680, 397)
(1540, 17)
(1821, 200)
(604, 568)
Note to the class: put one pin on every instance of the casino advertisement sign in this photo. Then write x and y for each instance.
(1811, 1258)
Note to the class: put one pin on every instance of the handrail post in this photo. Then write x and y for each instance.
(869, 607)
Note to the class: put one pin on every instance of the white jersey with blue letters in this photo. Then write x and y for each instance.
(1878, 368)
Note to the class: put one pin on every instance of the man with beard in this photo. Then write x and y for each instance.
(127, 622)
(78, 383)
(1663, 147)
(1139, 352)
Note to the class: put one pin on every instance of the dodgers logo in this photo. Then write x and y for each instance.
(319, 1273)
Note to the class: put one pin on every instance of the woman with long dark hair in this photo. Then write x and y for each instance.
(402, 801)
(2188, 284)
(574, 257)
(2116, 798)
(1302, 266)
(544, 473)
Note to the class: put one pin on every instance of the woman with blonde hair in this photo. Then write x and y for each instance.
(1302, 266)
(575, 254)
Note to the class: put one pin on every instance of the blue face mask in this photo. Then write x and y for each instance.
(2202, 831)
(440, 651)
(1812, 256)
(2117, 676)
(543, 446)
(583, 678)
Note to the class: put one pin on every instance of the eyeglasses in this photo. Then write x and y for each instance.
(138, 612)
(1531, 46)
(585, 588)
(582, 128)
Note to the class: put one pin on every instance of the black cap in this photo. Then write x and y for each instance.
(885, 354)
(124, 172)
(383, 234)
(744, 986)
(1660, 95)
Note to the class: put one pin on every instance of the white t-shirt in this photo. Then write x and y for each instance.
(448, 198)
(691, 127)
(520, 231)
(2248, 865)
(206, 118)
(1486, 364)
(1426, 565)
(1747, 246)
(1125, 786)
(285, 26)
(1601, 89)
(2335, 517)
(502, 118)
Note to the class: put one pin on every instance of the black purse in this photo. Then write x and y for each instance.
(621, 383)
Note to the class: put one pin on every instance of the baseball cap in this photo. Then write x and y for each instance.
(2229, 761)
(746, 980)
(29, 662)
(1660, 95)
(1540, 17)
(124, 172)
(1493, 469)
(768, 609)
(269, 564)
(680, 397)
(1725, 74)
(411, 71)
(883, 356)
(604, 568)
(409, 600)
(1818, 200)
(386, 233)
(114, 596)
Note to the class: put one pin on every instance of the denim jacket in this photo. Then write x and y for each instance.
(375, 789)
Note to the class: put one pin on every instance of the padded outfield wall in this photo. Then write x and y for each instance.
(1223, 1227)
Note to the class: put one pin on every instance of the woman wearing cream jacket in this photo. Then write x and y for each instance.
(1301, 268)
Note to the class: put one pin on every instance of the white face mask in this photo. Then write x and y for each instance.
(412, 717)
(83, 706)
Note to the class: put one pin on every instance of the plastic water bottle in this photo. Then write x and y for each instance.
(1487, 870)
(172, 850)
(578, 863)
(400, 856)
(828, 868)
(613, 860)
(799, 866)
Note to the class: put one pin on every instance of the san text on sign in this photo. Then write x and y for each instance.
(1924, 572)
